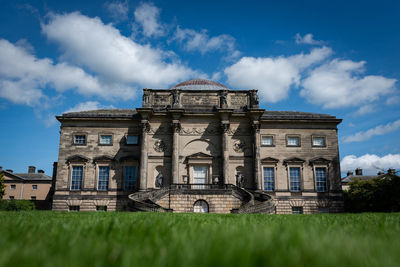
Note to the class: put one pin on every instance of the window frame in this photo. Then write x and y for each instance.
(13, 186)
(293, 136)
(98, 177)
(300, 178)
(326, 178)
(34, 187)
(79, 134)
(126, 139)
(82, 177)
(33, 197)
(135, 185)
(101, 208)
(106, 134)
(272, 140)
(11, 197)
(318, 136)
(74, 208)
(274, 177)
(300, 209)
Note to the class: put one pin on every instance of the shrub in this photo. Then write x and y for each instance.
(16, 205)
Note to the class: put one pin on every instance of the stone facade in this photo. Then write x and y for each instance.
(199, 132)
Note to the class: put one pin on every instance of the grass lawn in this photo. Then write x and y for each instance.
(45, 238)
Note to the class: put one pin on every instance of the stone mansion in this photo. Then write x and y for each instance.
(198, 147)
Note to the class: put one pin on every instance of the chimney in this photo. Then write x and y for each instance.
(381, 173)
(392, 171)
(40, 171)
(349, 173)
(31, 169)
(8, 170)
(358, 171)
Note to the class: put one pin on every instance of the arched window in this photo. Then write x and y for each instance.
(200, 206)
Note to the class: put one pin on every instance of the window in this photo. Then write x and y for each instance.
(323, 210)
(294, 179)
(74, 208)
(33, 198)
(200, 206)
(320, 177)
(269, 179)
(104, 174)
(105, 139)
(132, 140)
(12, 187)
(79, 139)
(34, 187)
(76, 178)
(293, 141)
(11, 197)
(297, 210)
(267, 140)
(130, 178)
(318, 141)
(101, 208)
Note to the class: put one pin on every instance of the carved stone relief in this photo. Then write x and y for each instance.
(239, 146)
(160, 146)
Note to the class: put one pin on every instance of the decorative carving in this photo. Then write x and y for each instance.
(239, 146)
(161, 130)
(145, 126)
(223, 100)
(161, 100)
(200, 100)
(176, 126)
(225, 127)
(254, 99)
(256, 127)
(175, 95)
(200, 131)
(160, 146)
(146, 97)
(239, 101)
(159, 180)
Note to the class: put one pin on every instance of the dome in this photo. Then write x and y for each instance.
(199, 84)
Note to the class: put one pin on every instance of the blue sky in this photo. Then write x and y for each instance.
(336, 57)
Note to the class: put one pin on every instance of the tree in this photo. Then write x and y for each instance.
(378, 194)
(2, 185)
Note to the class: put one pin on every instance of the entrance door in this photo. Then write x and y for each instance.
(199, 175)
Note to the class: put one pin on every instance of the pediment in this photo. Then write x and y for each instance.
(269, 160)
(199, 155)
(103, 158)
(293, 160)
(77, 158)
(319, 160)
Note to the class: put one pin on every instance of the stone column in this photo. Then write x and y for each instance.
(225, 153)
(143, 155)
(176, 127)
(256, 150)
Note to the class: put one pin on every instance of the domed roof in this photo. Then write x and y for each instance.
(200, 84)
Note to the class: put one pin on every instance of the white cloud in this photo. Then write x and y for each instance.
(273, 76)
(118, 10)
(306, 39)
(23, 77)
(378, 130)
(147, 15)
(394, 100)
(116, 59)
(370, 163)
(89, 105)
(340, 83)
(200, 41)
(366, 109)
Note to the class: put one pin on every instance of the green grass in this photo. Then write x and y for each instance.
(154, 239)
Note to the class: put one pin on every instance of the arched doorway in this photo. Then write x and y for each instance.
(200, 206)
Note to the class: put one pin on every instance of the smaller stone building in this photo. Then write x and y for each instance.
(34, 186)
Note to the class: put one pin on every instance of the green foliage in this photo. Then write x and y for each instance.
(2, 185)
(46, 238)
(379, 195)
(16, 205)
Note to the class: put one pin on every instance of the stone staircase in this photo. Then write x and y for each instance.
(252, 201)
